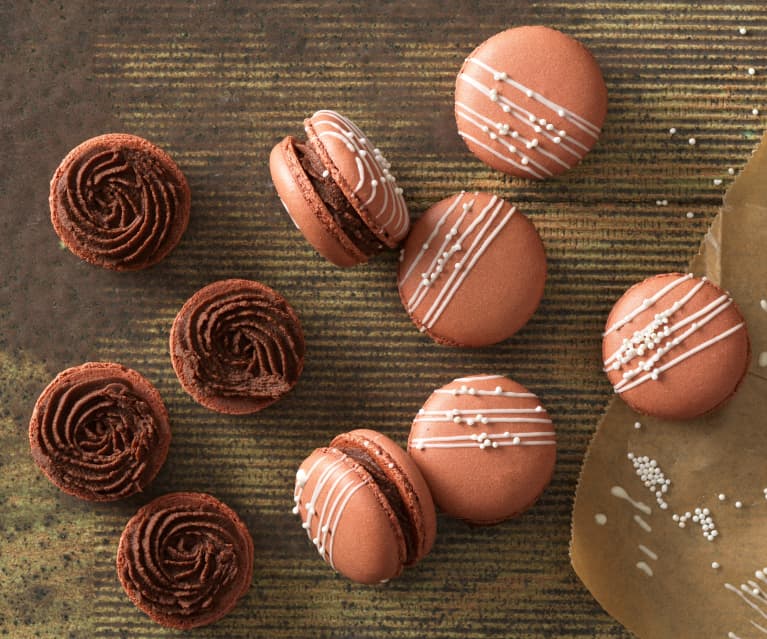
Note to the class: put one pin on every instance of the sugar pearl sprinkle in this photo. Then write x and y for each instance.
(702, 517)
(652, 477)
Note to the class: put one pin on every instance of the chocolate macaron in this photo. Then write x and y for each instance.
(365, 506)
(338, 190)
(100, 431)
(472, 271)
(185, 559)
(675, 346)
(120, 202)
(237, 346)
(486, 447)
(530, 102)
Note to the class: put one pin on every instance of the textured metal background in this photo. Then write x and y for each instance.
(217, 84)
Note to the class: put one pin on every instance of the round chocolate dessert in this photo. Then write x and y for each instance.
(120, 202)
(100, 431)
(185, 559)
(237, 346)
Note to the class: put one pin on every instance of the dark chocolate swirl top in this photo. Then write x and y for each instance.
(119, 202)
(237, 346)
(100, 431)
(185, 559)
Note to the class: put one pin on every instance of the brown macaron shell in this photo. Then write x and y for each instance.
(185, 559)
(530, 101)
(485, 446)
(675, 346)
(400, 469)
(100, 431)
(306, 208)
(351, 520)
(472, 270)
(362, 173)
(119, 202)
(237, 346)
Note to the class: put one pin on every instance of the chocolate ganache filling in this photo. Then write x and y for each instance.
(336, 202)
(185, 559)
(240, 340)
(119, 205)
(392, 495)
(98, 439)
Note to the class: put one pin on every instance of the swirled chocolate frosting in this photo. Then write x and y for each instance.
(100, 431)
(120, 202)
(185, 559)
(237, 346)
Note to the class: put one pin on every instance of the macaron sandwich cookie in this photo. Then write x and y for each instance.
(338, 190)
(472, 271)
(185, 559)
(530, 101)
(365, 506)
(237, 346)
(675, 346)
(100, 431)
(486, 447)
(119, 202)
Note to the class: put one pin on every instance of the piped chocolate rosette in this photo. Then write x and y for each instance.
(237, 346)
(100, 431)
(119, 202)
(185, 559)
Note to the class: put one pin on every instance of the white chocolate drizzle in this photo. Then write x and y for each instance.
(652, 555)
(340, 491)
(659, 337)
(645, 568)
(486, 440)
(453, 260)
(504, 141)
(647, 303)
(642, 523)
(620, 493)
(483, 416)
(372, 170)
(470, 390)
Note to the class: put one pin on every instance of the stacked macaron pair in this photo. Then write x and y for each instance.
(482, 448)
(521, 112)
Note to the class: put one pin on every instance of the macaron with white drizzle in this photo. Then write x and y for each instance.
(486, 447)
(365, 506)
(339, 190)
(675, 346)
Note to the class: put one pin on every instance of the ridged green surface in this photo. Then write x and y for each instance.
(217, 85)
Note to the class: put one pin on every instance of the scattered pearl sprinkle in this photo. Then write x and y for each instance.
(717, 182)
(751, 71)
(742, 30)
(672, 130)
(637, 425)
(652, 477)
(755, 111)
(738, 504)
(690, 215)
(731, 171)
(715, 565)
(692, 141)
